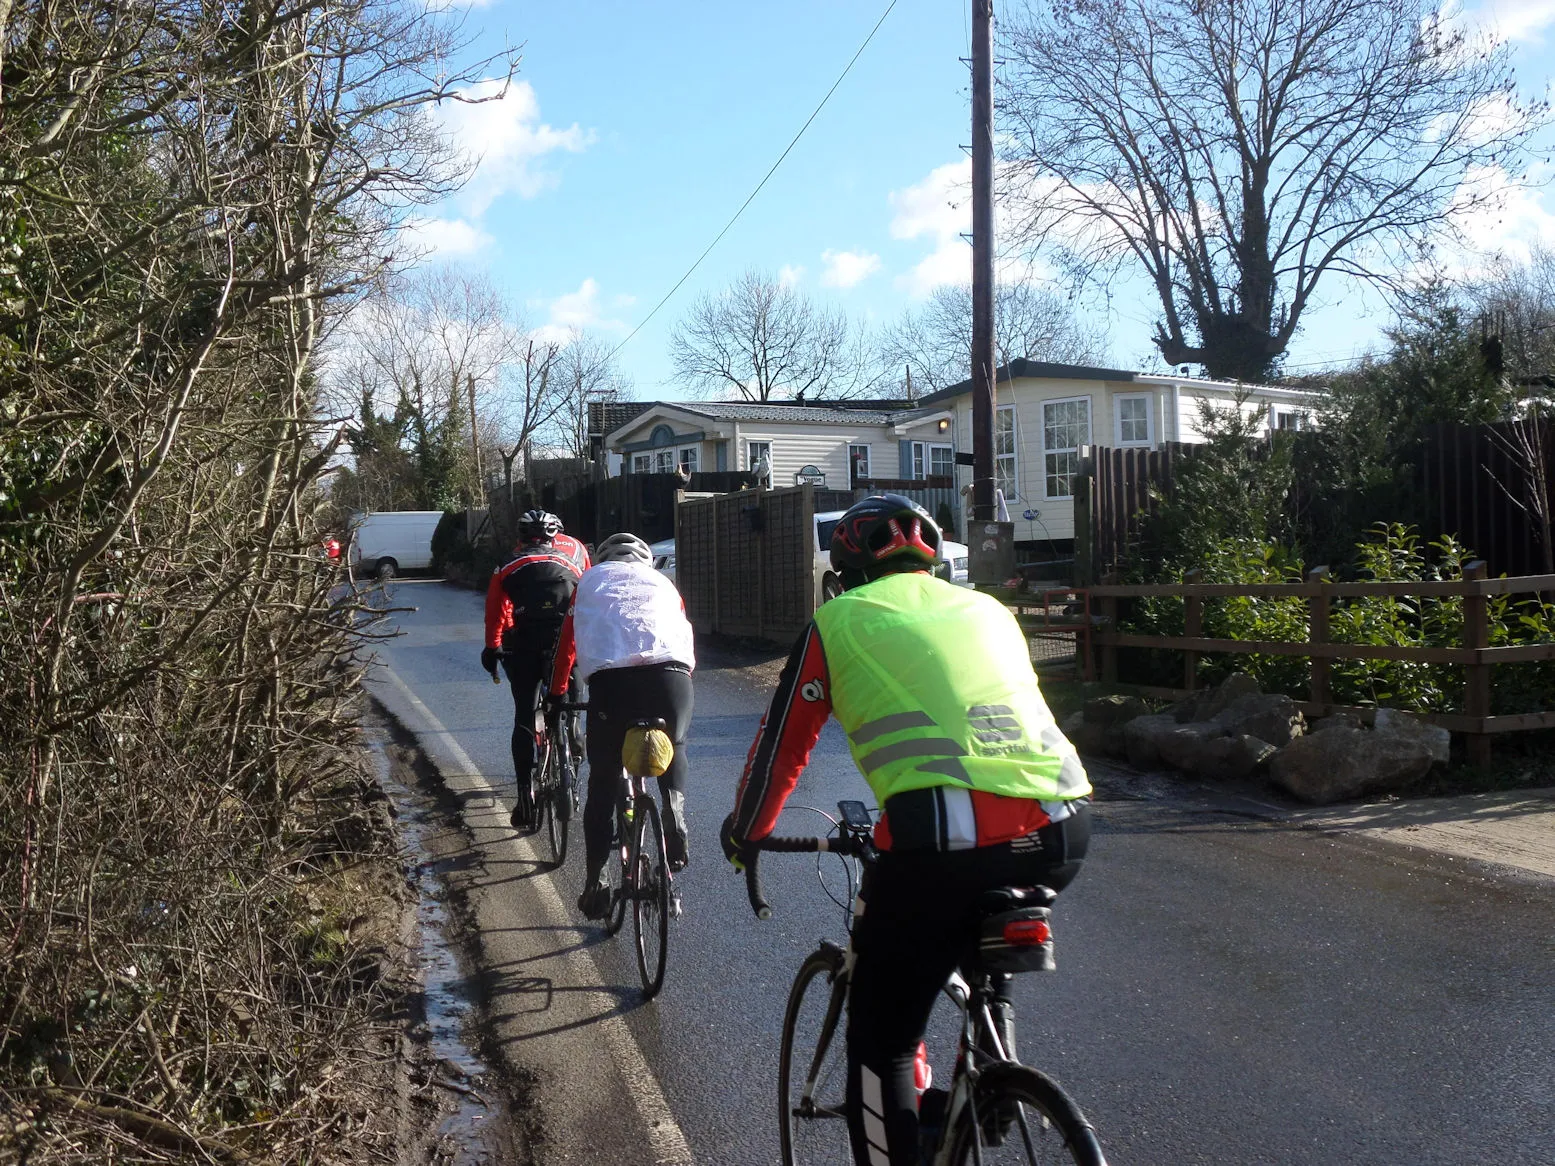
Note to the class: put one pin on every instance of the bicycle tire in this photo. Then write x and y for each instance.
(616, 874)
(651, 898)
(817, 1133)
(1045, 1125)
(555, 791)
(542, 796)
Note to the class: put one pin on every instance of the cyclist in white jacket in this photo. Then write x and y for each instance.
(627, 630)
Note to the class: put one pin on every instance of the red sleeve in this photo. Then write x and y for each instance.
(788, 732)
(499, 609)
(566, 653)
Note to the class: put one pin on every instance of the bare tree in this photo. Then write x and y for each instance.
(1516, 305)
(587, 373)
(761, 339)
(1238, 151)
(1031, 322)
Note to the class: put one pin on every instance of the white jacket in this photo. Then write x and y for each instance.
(626, 614)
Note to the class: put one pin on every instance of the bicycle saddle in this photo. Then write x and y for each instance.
(1010, 898)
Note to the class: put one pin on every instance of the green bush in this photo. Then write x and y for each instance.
(1392, 552)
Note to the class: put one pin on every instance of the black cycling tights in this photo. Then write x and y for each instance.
(527, 669)
(919, 923)
(617, 697)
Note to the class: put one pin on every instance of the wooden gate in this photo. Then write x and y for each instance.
(745, 562)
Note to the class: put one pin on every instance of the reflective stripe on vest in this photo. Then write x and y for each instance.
(933, 684)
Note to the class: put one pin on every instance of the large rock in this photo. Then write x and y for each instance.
(1271, 717)
(1092, 740)
(1339, 720)
(1232, 757)
(1434, 738)
(1141, 738)
(1203, 706)
(1113, 711)
(1346, 763)
(1182, 747)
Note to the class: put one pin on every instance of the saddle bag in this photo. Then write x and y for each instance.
(1016, 933)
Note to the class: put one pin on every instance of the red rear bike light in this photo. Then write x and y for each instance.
(1027, 932)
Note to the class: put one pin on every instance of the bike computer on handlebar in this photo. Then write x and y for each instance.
(855, 814)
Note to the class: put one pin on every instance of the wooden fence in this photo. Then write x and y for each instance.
(1475, 654)
(745, 562)
(1491, 486)
(1115, 494)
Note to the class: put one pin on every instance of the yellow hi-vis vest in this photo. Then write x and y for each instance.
(933, 684)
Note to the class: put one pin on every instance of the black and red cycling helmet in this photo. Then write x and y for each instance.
(881, 534)
(538, 526)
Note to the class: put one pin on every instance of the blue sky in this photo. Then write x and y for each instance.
(635, 129)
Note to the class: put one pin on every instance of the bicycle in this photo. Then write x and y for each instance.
(641, 873)
(992, 1096)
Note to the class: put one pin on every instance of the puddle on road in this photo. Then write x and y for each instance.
(473, 1123)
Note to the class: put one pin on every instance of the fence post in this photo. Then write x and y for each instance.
(1192, 627)
(1476, 634)
(1084, 516)
(1317, 621)
(1109, 650)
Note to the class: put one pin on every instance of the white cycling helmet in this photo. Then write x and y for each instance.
(623, 548)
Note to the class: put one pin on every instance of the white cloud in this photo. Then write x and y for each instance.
(447, 238)
(847, 268)
(1501, 217)
(503, 132)
(789, 275)
(573, 311)
(1512, 20)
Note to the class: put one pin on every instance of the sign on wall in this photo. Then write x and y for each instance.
(810, 476)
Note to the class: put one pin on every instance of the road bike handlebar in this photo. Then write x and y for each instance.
(844, 844)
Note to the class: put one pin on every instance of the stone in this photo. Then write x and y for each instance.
(1233, 757)
(1141, 736)
(1114, 710)
(1437, 740)
(1089, 739)
(1336, 721)
(1230, 690)
(1271, 717)
(1183, 745)
(1343, 763)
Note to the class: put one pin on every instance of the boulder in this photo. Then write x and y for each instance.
(1271, 717)
(1232, 757)
(1183, 745)
(1436, 740)
(1230, 690)
(1336, 721)
(1141, 738)
(1093, 740)
(1343, 763)
(1113, 711)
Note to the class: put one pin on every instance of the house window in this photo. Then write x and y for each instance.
(688, 459)
(1066, 426)
(661, 435)
(1292, 419)
(858, 463)
(756, 451)
(1004, 451)
(942, 461)
(664, 462)
(641, 463)
(1133, 418)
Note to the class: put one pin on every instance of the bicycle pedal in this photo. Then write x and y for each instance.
(675, 907)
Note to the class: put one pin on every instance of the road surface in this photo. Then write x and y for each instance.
(1231, 988)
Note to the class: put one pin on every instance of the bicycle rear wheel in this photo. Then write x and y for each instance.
(544, 780)
(812, 1065)
(558, 797)
(1023, 1116)
(651, 900)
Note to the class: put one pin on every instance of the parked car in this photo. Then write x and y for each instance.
(664, 557)
(828, 586)
(387, 542)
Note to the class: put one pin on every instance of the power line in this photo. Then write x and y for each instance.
(749, 198)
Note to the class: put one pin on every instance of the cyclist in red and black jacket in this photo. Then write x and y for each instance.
(526, 602)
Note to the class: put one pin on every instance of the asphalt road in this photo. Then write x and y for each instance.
(1232, 988)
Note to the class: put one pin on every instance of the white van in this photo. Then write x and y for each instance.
(386, 542)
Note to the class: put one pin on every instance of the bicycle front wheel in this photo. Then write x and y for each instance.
(651, 897)
(812, 1065)
(1022, 1116)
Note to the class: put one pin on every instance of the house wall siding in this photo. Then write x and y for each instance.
(795, 446)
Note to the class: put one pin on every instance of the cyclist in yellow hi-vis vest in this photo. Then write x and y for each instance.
(978, 788)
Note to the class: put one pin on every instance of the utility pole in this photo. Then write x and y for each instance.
(983, 356)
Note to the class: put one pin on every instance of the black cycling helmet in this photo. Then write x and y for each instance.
(538, 526)
(881, 534)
